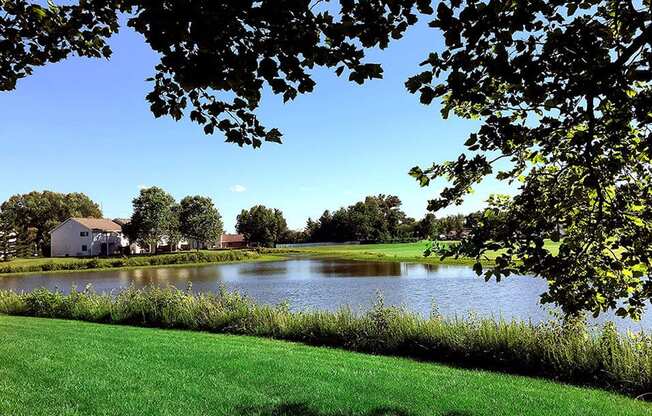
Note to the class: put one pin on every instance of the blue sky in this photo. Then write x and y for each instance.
(83, 125)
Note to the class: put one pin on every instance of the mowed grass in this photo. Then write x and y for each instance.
(60, 367)
(411, 252)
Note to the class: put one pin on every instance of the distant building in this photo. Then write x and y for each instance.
(232, 241)
(8, 245)
(80, 237)
(134, 248)
(464, 233)
(87, 237)
(456, 234)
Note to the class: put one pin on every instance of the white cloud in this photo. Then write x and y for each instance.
(141, 187)
(237, 188)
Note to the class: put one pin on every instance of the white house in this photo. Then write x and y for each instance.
(80, 237)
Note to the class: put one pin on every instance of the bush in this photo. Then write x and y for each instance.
(568, 351)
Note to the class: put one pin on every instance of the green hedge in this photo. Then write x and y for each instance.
(132, 261)
(567, 352)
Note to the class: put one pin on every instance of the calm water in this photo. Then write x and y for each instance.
(328, 284)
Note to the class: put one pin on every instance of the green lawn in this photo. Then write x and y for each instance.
(52, 367)
(394, 252)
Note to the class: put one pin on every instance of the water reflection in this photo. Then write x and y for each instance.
(335, 268)
(329, 284)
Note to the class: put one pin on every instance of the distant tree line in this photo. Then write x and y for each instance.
(158, 219)
(379, 219)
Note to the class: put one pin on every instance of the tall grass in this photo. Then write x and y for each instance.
(567, 352)
(133, 261)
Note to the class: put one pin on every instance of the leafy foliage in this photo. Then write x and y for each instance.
(377, 218)
(35, 35)
(200, 220)
(33, 215)
(153, 217)
(563, 90)
(428, 228)
(216, 57)
(173, 233)
(261, 225)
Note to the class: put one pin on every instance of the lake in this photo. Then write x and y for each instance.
(326, 284)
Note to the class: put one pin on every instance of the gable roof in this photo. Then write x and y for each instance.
(101, 224)
(232, 238)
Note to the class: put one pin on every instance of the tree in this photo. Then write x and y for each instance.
(200, 220)
(212, 50)
(428, 228)
(261, 225)
(367, 221)
(33, 215)
(407, 229)
(152, 217)
(293, 237)
(173, 232)
(390, 206)
(563, 90)
(451, 223)
(377, 218)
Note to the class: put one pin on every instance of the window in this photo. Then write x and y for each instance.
(83, 234)
(84, 248)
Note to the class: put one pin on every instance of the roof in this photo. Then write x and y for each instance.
(122, 221)
(101, 224)
(232, 238)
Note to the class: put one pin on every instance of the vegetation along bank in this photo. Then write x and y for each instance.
(568, 352)
(34, 265)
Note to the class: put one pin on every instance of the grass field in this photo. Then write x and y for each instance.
(72, 368)
(411, 252)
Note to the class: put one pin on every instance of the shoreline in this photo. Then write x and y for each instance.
(272, 255)
(371, 256)
(261, 258)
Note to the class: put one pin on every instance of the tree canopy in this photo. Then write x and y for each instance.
(261, 225)
(153, 218)
(33, 215)
(563, 92)
(215, 56)
(376, 218)
(200, 220)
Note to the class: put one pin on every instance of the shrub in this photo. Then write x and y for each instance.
(567, 351)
